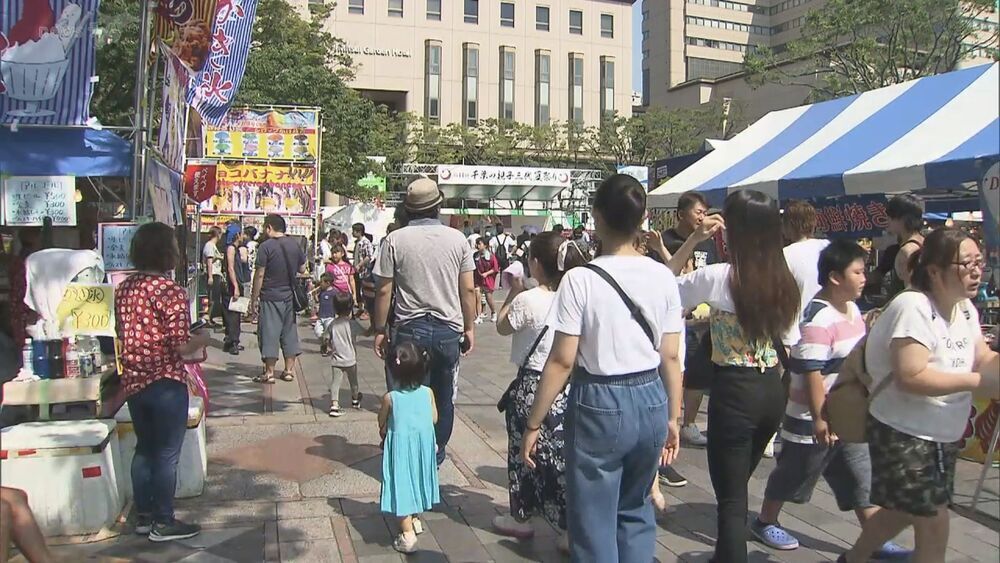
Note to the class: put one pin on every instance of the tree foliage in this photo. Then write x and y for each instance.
(852, 46)
(117, 40)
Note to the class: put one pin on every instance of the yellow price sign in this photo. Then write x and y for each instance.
(87, 309)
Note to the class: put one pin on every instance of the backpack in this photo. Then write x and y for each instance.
(846, 405)
(502, 257)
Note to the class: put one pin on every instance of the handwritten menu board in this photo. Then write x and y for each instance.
(114, 241)
(28, 200)
(87, 309)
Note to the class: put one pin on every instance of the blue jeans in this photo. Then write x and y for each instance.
(159, 416)
(615, 431)
(444, 346)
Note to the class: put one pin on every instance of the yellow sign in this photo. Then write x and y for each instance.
(87, 309)
(265, 135)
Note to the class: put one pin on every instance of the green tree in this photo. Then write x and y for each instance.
(117, 40)
(852, 46)
(294, 62)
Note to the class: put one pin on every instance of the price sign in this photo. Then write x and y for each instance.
(87, 309)
(114, 240)
(28, 200)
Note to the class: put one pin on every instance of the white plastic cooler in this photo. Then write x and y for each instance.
(70, 470)
(193, 464)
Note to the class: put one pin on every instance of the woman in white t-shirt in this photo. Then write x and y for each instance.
(755, 303)
(617, 423)
(540, 491)
(926, 355)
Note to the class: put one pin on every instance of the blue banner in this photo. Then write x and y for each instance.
(858, 216)
(214, 87)
(46, 61)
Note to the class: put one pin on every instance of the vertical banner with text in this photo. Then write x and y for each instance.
(214, 87)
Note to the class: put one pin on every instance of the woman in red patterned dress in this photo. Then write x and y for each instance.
(153, 324)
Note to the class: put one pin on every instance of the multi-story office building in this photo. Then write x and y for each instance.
(691, 50)
(532, 61)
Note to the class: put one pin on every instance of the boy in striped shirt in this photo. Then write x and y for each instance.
(831, 326)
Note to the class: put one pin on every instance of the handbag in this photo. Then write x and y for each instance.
(505, 399)
(300, 301)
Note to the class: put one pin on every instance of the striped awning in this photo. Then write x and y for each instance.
(937, 132)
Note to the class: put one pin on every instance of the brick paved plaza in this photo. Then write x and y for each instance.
(287, 483)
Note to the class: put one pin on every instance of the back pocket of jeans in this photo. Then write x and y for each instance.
(596, 429)
(657, 418)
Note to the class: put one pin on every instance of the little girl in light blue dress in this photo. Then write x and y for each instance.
(409, 465)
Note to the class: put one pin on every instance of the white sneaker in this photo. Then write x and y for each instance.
(692, 436)
(405, 543)
(478, 321)
(493, 319)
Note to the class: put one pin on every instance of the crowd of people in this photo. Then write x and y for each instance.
(616, 336)
(603, 359)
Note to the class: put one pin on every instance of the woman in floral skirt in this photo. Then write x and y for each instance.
(536, 491)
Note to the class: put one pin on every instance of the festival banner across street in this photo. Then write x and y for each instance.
(263, 188)
(851, 216)
(502, 176)
(186, 27)
(265, 135)
(214, 87)
(46, 61)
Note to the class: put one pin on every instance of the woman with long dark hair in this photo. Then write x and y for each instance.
(540, 491)
(622, 360)
(755, 303)
(926, 355)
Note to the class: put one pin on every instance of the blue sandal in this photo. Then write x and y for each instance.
(773, 536)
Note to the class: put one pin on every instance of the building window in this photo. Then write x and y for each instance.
(470, 85)
(543, 81)
(733, 26)
(471, 11)
(576, 22)
(434, 10)
(542, 18)
(506, 14)
(576, 87)
(607, 88)
(395, 8)
(724, 45)
(607, 26)
(432, 82)
(709, 68)
(356, 7)
(646, 87)
(507, 83)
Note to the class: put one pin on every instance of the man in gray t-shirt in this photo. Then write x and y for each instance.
(428, 267)
(279, 261)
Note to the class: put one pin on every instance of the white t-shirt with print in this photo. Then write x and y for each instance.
(952, 346)
(213, 259)
(611, 341)
(528, 315)
(710, 285)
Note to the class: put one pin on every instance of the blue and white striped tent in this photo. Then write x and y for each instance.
(938, 132)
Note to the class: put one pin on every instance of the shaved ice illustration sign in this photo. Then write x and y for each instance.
(46, 60)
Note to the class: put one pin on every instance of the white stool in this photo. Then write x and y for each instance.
(70, 470)
(193, 464)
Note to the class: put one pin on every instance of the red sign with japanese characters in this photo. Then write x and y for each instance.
(200, 181)
(851, 216)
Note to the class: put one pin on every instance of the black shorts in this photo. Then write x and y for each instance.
(698, 367)
(909, 474)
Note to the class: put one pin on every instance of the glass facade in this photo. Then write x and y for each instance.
(434, 10)
(506, 14)
(471, 11)
(576, 22)
(542, 18)
(470, 84)
(607, 88)
(395, 8)
(506, 83)
(576, 87)
(607, 26)
(356, 6)
(543, 87)
(432, 81)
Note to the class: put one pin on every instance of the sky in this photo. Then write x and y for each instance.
(637, 46)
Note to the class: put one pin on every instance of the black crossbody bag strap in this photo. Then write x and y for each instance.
(633, 309)
(504, 401)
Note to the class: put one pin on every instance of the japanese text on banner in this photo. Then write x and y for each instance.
(87, 309)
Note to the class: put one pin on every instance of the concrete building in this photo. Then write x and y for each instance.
(693, 50)
(533, 61)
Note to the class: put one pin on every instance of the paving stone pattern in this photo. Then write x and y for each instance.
(287, 483)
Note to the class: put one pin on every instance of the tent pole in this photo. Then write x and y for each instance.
(139, 125)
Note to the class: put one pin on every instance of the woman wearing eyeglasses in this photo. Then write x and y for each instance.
(922, 394)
